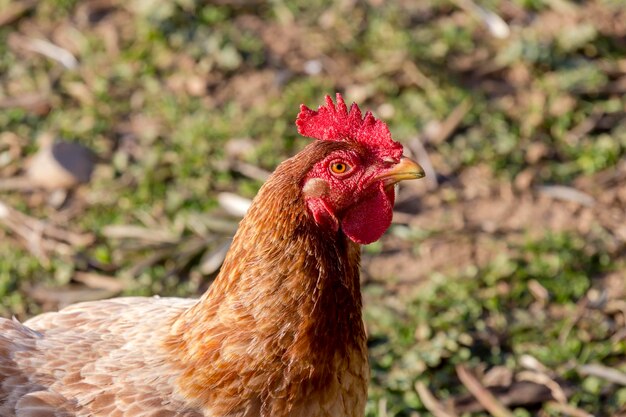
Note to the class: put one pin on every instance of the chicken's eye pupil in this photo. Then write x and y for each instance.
(339, 167)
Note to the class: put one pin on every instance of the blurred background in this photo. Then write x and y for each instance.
(133, 134)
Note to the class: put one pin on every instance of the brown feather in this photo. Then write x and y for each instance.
(293, 294)
(279, 333)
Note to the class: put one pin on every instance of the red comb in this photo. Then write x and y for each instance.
(334, 122)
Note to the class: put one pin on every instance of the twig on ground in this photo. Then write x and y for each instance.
(99, 281)
(125, 231)
(15, 183)
(518, 394)
(561, 192)
(41, 237)
(539, 374)
(484, 397)
(15, 10)
(382, 407)
(584, 127)
(57, 298)
(544, 379)
(494, 23)
(212, 260)
(418, 78)
(618, 336)
(581, 306)
(562, 6)
(250, 171)
(234, 204)
(421, 154)
(604, 372)
(38, 103)
(430, 402)
(52, 51)
(50, 230)
(568, 410)
(441, 131)
(530, 362)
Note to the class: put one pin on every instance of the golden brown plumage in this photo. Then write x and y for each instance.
(279, 333)
(99, 358)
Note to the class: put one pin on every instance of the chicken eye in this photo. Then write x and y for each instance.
(339, 167)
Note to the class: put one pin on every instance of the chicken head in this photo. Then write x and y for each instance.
(351, 187)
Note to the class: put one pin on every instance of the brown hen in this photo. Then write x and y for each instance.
(279, 333)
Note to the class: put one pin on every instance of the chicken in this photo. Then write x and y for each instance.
(279, 332)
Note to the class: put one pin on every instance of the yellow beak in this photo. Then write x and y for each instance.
(406, 169)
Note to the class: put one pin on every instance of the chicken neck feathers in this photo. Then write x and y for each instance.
(294, 296)
(279, 333)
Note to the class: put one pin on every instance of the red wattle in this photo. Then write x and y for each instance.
(367, 220)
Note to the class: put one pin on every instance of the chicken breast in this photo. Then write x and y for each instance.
(97, 358)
